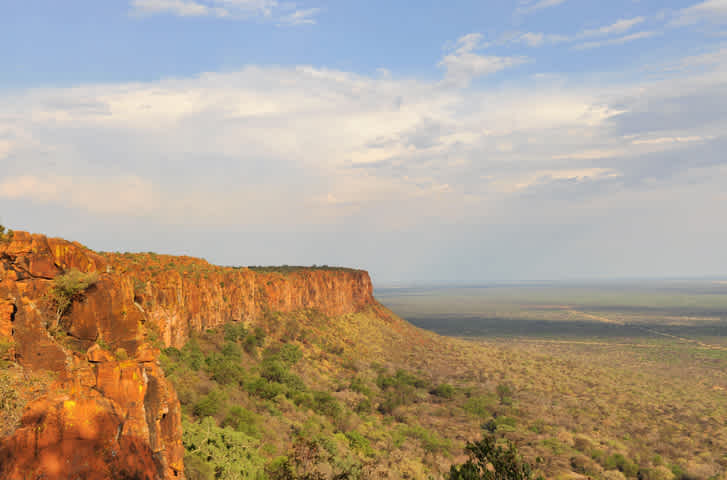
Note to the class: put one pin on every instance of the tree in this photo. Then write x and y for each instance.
(67, 288)
(5, 234)
(489, 461)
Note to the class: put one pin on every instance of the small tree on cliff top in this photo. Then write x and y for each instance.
(5, 234)
(68, 287)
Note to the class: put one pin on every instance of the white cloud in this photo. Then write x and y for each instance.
(707, 11)
(615, 41)
(129, 195)
(534, 39)
(266, 146)
(534, 6)
(300, 17)
(616, 28)
(230, 9)
(183, 8)
(462, 64)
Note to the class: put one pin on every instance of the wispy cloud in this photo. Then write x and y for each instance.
(300, 17)
(462, 64)
(615, 41)
(182, 8)
(615, 28)
(707, 11)
(230, 9)
(531, 6)
(535, 39)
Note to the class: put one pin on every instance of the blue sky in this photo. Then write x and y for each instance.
(458, 141)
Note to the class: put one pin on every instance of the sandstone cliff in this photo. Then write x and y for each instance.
(110, 412)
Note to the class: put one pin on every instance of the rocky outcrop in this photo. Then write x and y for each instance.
(112, 413)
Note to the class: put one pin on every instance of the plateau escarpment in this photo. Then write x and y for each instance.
(109, 412)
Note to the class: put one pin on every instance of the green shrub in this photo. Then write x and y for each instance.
(430, 441)
(210, 404)
(5, 348)
(6, 234)
(195, 468)
(359, 442)
(192, 354)
(490, 461)
(224, 369)
(480, 406)
(443, 390)
(364, 406)
(274, 371)
(396, 397)
(400, 378)
(504, 393)
(242, 420)
(262, 388)
(325, 404)
(288, 354)
(230, 455)
(623, 464)
(234, 332)
(359, 385)
(67, 288)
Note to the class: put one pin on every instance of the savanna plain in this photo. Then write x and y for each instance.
(606, 379)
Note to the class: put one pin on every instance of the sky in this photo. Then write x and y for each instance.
(427, 142)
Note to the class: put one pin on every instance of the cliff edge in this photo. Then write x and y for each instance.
(109, 411)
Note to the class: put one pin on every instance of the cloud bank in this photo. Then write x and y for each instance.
(536, 171)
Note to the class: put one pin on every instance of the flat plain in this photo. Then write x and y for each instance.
(638, 368)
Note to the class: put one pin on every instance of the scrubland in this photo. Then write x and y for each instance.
(635, 389)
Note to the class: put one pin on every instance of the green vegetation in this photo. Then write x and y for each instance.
(6, 234)
(6, 346)
(288, 269)
(68, 287)
(490, 461)
(299, 410)
(357, 396)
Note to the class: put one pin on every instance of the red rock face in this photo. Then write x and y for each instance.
(112, 417)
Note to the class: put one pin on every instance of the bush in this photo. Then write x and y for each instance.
(288, 354)
(6, 347)
(430, 441)
(400, 378)
(393, 398)
(364, 406)
(231, 455)
(325, 404)
(192, 355)
(242, 420)
(195, 468)
(504, 393)
(235, 332)
(5, 234)
(359, 385)
(490, 461)
(262, 388)
(444, 390)
(623, 464)
(210, 404)
(480, 406)
(67, 288)
(359, 442)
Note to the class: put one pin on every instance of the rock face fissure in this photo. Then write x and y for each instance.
(111, 413)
